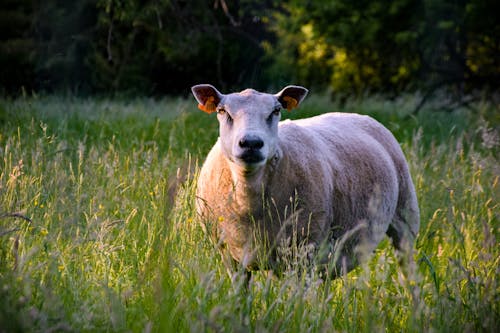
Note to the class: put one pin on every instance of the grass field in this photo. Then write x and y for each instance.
(98, 231)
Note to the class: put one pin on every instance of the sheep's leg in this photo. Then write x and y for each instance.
(346, 263)
(234, 269)
(406, 222)
(229, 263)
(404, 228)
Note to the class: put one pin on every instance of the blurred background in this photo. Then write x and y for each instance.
(162, 47)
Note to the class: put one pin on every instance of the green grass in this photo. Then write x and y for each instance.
(98, 231)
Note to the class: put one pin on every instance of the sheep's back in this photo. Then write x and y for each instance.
(355, 159)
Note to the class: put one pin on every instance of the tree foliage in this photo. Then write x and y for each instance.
(358, 46)
(17, 44)
(168, 45)
(164, 46)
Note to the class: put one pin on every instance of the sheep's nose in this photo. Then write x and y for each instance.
(251, 142)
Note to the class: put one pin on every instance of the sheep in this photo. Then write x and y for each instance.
(336, 183)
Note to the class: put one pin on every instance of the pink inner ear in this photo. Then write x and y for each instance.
(291, 103)
(209, 106)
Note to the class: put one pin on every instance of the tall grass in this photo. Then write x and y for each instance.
(98, 231)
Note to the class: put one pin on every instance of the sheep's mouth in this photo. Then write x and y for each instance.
(251, 156)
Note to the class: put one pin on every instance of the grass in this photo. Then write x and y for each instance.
(98, 231)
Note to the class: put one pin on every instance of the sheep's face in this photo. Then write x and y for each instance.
(248, 121)
(248, 127)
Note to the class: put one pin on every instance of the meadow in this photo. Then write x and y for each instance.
(98, 231)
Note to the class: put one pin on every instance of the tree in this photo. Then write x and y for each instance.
(354, 45)
(459, 46)
(379, 46)
(157, 47)
(63, 31)
(17, 46)
(167, 46)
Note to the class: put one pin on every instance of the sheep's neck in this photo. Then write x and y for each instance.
(248, 187)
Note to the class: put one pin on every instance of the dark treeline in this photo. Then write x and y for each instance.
(161, 47)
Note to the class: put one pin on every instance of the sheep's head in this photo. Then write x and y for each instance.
(248, 120)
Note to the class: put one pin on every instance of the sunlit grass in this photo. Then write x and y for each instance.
(98, 231)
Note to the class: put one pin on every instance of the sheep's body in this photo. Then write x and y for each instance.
(335, 180)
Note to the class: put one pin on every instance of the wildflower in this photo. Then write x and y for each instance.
(440, 251)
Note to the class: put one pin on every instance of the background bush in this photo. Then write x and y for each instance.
(165, 46)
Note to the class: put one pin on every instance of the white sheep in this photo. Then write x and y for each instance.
(337, 183)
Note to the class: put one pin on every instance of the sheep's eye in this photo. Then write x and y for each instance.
(276, 111)
(223, 111)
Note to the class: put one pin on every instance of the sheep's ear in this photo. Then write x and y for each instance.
(291, 96)
(207, 96)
